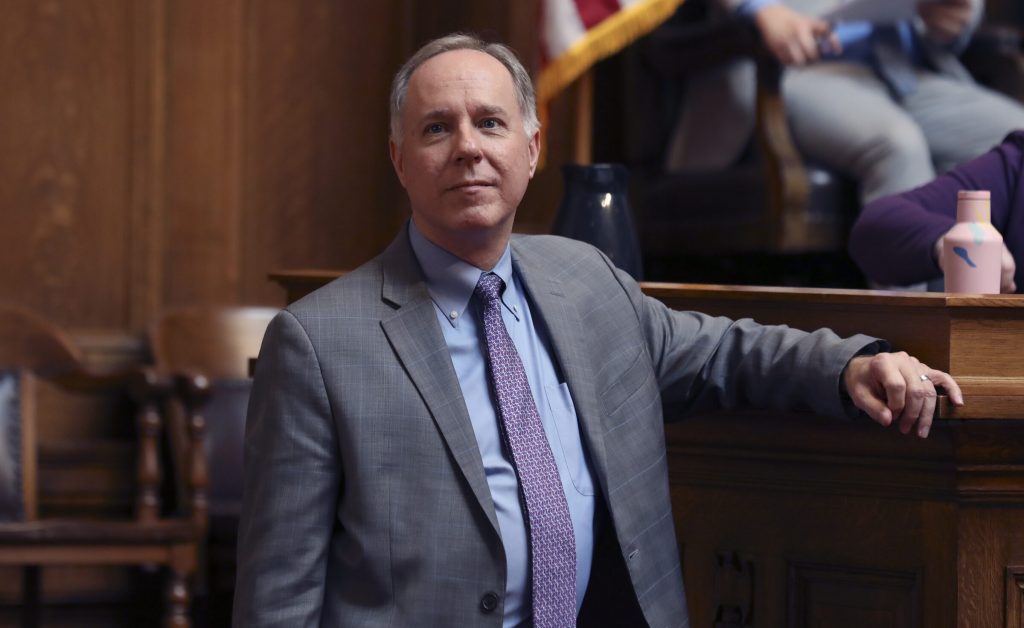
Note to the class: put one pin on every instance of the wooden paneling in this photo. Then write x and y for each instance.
(1014, 597)
(843, 597)
(320, 191)
(66, 76)
(157, 153)
(200, 261)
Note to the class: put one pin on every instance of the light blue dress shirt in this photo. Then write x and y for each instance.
(450, 282)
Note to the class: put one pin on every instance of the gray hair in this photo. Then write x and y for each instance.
(461, 41)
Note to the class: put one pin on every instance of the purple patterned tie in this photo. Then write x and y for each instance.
(552, 544)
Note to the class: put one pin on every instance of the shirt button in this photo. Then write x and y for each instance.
(453, 315)
(489, 602)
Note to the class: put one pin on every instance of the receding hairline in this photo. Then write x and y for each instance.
(521, 83)
(483, 108)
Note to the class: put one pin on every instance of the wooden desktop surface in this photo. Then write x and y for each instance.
(787, 519)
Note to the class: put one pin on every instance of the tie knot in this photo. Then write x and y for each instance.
(489, 287)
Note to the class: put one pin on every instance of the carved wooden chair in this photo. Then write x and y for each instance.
(214, 345)
(37, 362)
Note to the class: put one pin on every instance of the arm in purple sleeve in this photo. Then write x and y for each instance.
(893, 239)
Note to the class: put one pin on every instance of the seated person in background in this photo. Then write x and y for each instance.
(898, 239)
(882, 104)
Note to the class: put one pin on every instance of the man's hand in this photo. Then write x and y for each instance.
(1007, 266)
(794, 38)
(896, 387)
(945, 19)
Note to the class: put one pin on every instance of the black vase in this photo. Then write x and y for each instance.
(595, 208)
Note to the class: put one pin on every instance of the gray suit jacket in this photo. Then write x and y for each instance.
(365, 500)
(716, 118)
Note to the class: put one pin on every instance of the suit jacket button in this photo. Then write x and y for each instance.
(489, 602)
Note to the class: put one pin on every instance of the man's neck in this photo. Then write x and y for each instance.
(482, 252)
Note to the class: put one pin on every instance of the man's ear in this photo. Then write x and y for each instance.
(534, 151)
(396, 160)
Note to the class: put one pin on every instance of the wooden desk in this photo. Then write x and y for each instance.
(794, 520)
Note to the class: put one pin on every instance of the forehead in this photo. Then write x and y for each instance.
(461, 74)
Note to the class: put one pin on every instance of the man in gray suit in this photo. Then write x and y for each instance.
(884, 104)
(386, 478)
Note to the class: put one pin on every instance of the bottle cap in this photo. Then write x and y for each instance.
(973, 195)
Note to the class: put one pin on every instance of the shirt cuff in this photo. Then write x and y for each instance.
(750, 7)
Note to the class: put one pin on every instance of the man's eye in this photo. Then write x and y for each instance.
(490, 123)
(435, 128)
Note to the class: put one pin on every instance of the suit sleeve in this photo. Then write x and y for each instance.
(704, 362)
(291, 486)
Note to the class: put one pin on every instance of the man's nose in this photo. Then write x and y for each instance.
(467, 146)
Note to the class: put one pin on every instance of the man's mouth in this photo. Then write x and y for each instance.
(471, 185)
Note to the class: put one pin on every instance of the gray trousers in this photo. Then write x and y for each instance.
(842, 116)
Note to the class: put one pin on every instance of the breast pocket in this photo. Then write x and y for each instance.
(568, 431)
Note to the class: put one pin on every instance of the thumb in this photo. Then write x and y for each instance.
(1009, 268)
(938, 253)
(871, 404)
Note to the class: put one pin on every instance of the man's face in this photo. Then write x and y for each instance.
(464, 157)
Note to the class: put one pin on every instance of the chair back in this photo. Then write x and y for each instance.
(13, 476)
(40, 371)
(30, 348)
(217, 343)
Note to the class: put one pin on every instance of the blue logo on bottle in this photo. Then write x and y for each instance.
(962, 252)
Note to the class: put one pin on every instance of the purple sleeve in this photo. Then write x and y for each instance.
(893, 238)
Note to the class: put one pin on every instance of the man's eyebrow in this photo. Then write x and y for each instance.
(481, 110)
(433, 114)
(490, 110)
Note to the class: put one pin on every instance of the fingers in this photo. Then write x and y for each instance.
(897, 388)
(835, 47)
(946, 381)
(938, 252)
(919, 395)
(1007, 271)
(793, 38)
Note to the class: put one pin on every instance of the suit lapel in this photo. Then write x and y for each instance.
(419, 344)
(572, 351)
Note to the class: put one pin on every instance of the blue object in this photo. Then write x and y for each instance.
(962, 253)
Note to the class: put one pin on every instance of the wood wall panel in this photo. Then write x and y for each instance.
(65, 73)
(320, 191)
(202, 177)
(148, 148)
(839, 596)
(164, 152)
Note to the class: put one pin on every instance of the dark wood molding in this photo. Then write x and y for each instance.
(149, 144)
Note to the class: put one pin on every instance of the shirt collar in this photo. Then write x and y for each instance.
(451, 280)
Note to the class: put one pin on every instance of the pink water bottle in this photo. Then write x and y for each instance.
(972, 250)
